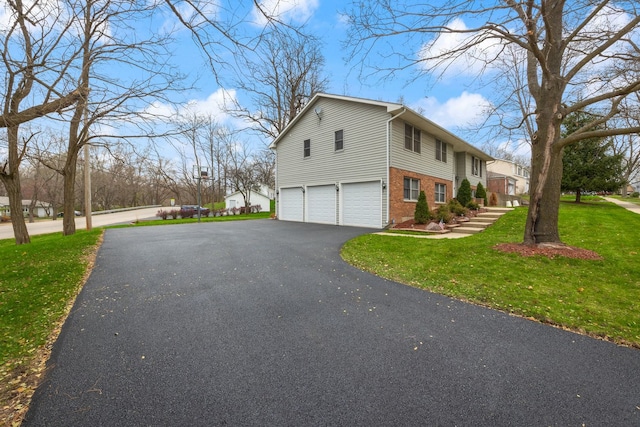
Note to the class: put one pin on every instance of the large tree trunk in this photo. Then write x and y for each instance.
(547, 85)
(69, 217)
(546, 178)
(12, 184)
(11, 180)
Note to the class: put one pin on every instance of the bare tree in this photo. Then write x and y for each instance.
(280, 77)
(580, 55)
(34, 85)
(629, 145)
(109, 40)
(242, 171)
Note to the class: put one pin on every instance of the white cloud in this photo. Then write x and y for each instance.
(298, 11)
(213, 105)
(465, 110)
(519, 148)
(471, 62)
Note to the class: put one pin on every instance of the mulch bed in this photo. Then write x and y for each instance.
(548, 250)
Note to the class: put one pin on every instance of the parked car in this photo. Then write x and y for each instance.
(76, 213)
(189, 211)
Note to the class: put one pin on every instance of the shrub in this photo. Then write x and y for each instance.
(187, 213)
(422, 214)
(635, 194)
(443, 214)
(174, 213)
(464, 192)
(456, 208)
(162, 214)
(493, 200)
(473, 205)
(481, 193)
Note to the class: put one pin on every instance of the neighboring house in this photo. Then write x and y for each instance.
(262, 197)
(507, 177)
(359, 162)
(41, 210)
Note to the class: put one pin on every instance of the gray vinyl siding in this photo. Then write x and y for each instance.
(363, 157)
(424, 162)
(464, 163)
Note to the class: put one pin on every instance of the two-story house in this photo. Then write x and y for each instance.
(360, 162)
(507, 177)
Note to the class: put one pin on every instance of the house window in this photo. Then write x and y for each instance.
(307, 147)
(441, 151)
(411, 188)
(339, 141)
(441, 193)
(476, 166)
(411, 138)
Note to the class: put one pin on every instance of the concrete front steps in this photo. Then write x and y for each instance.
(481, 221)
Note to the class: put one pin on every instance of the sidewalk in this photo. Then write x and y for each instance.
(627, 205)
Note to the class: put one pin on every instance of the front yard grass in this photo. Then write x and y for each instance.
(600, 298)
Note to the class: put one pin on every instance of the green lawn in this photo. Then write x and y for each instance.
(601, 298)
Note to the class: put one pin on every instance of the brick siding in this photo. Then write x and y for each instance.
(401, 210)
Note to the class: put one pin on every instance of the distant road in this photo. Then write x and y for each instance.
(51, 226)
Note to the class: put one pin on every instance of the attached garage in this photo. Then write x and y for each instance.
(291, 204)
(361, 204)
(321, 204)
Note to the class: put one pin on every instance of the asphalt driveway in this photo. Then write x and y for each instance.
(261, 323)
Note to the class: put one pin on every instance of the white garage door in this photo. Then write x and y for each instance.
(321, 204)
(291, 204)
(362, 204)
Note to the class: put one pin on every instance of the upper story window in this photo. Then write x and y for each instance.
(411, 138)
(411, 188)
(441, 151)
(521, 171)
(307, 147)
(476, 166)
(339, 140)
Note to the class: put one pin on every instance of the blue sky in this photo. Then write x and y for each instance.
(451, 102)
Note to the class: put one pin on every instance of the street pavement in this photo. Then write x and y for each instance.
(51, 226)
(260, 323)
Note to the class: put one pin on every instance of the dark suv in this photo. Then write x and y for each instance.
(189, 211)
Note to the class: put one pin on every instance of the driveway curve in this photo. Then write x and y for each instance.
(261, 323)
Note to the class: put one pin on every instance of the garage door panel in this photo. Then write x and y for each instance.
(362, 204)
(291, 204)
(321, 204)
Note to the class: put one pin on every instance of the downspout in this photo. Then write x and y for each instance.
(404, 110)
(276, 194)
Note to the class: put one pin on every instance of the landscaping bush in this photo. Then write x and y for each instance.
(443, 214)
(464, 192)
(635, 194)
(187, 213)
(162, 214)
(422, 214)
(493, 200)
(456, 208)
(481, 193)
(473, 205)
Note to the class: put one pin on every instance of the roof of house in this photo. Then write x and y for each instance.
(253, 191)
(394, 109)
(4, 201)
